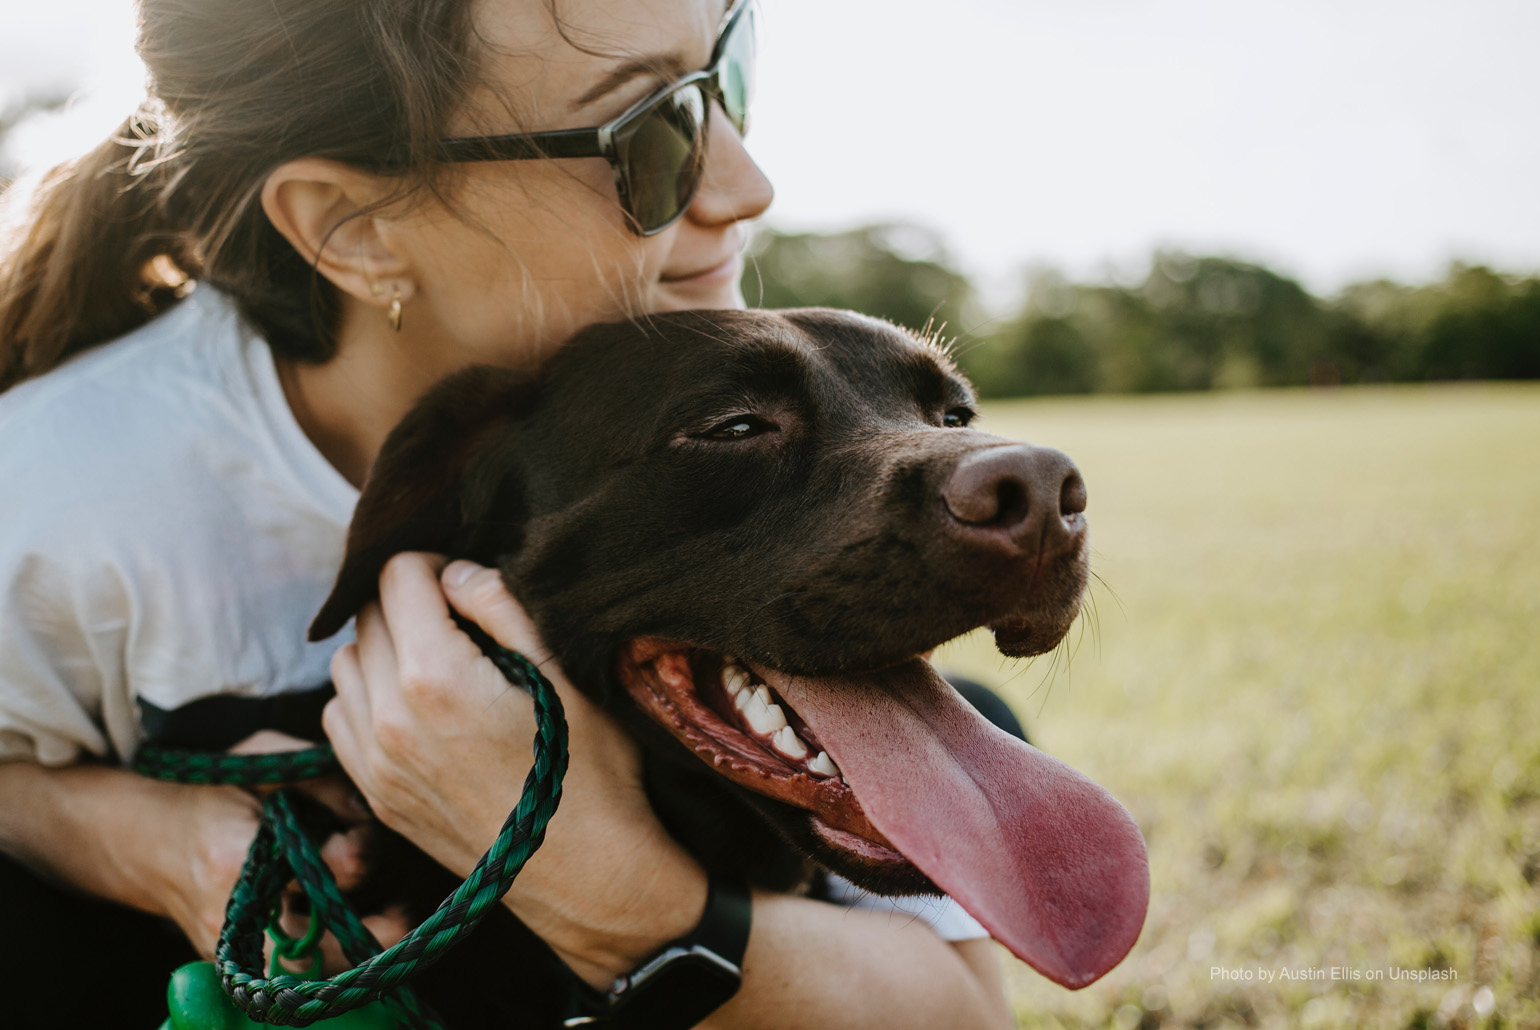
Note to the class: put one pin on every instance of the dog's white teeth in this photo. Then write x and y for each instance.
(823, 765)
(763, 716)
(736, 680)
(788, 743)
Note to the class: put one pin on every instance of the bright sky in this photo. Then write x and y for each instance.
(1334, 139)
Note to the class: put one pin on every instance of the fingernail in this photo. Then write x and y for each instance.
(460, 571)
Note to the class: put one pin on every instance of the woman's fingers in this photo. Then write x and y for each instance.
(478, 593)
(389, 926)
(265, 742)
(345, 854)
(339, 795)
(375, 651)
(413, 608)
(348, 713)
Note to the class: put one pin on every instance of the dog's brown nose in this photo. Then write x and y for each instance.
(1034, 495)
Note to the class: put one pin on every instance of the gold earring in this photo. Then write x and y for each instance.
(377, 289)
(393, 316)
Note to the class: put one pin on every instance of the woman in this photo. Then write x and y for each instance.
(292, 164)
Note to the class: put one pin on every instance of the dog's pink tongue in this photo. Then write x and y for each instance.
(1048, 861)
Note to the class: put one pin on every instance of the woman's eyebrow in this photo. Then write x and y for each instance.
(664, 66)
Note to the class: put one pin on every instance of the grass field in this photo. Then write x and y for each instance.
(1314, 678)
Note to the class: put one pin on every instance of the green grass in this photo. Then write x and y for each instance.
(1313, 675)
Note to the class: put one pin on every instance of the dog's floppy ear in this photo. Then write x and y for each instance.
(413, 499)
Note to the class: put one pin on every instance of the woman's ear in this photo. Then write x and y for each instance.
(325, 209)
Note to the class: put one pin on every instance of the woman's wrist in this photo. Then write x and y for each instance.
(625, 917)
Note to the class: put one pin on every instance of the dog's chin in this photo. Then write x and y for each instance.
(689, 692)
(1036, 626)
(868, 865)
(1034, 634)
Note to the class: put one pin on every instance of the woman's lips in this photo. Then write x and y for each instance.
(726, 270)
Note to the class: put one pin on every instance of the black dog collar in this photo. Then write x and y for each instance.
(685, 982)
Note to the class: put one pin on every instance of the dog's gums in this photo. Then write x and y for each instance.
(730, 718)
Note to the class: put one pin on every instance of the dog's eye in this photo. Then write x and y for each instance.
(957, 418)
(739, 427)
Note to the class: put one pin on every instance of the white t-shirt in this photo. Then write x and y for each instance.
(949, 919)
(167, 532)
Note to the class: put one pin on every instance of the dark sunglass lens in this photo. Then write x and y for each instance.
(737, 71)
(662, 154)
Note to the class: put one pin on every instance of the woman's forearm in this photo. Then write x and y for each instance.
(75, 825)
(813, 964)
(809, 963)
(116, 835)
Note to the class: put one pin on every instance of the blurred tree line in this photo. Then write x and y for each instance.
(1194, 323)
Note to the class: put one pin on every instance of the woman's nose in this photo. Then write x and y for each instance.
(732, 187)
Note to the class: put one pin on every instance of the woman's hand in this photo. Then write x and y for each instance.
(439, 742)
(219, 824)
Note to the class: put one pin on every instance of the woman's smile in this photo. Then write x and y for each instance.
(703, 285)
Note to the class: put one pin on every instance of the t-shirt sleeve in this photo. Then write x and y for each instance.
(941, 914)
(60, 640)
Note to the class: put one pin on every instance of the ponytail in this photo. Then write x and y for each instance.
(97, 255)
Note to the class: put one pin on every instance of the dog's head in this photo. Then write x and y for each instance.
(740, 531)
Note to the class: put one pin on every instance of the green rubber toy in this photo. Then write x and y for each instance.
(198, 1002)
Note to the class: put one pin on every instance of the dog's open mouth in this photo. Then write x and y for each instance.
(896, 768)
(734, 720)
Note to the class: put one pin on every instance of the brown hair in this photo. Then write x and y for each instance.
(237, 88)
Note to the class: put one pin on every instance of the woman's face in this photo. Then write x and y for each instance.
(536, 249)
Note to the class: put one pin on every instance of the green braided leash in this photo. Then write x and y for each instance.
(282, 852)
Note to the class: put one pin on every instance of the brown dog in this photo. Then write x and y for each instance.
(738, 530)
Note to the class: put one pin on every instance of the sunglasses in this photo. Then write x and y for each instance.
(658, 146)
